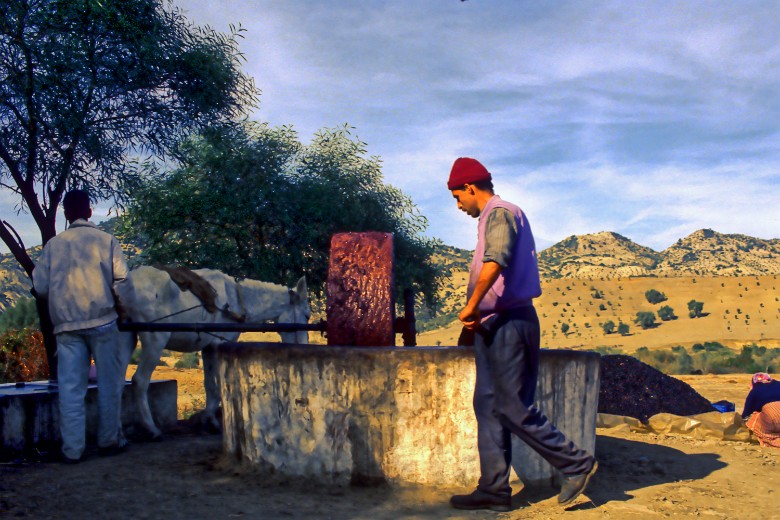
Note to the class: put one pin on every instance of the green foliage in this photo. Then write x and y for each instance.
(607, 350)
(695, 309)
(654, 296)
(436, 322)
(23, 315)
(188, 360)
(645, 319)
(623, 329)
(711, 358)
(565, 328)
(254, 202)
(608, 327)
(666, 313)
(671, 361)
(92, 87)
(89, 85)
(709, 346)
(22, 356)
(135, 357)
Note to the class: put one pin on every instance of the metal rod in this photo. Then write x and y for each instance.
(220, 327)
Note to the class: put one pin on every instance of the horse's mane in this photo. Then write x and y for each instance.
(256, 284)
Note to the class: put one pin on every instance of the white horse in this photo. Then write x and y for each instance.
(156, 298)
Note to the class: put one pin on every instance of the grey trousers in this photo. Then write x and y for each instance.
(507, 359)
(74, 350)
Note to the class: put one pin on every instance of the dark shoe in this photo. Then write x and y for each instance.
(110, 451)
(481, 500)
(67, 460)
(572, 487)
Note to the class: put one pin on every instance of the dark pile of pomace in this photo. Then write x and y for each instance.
(635, 389)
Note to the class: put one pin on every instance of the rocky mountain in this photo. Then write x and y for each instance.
(703, 253)
(709, 253)
(598, 255)
(14, 283)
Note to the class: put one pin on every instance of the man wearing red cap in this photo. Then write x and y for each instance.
(503, 282)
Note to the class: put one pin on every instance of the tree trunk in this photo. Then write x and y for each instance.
(49, 339)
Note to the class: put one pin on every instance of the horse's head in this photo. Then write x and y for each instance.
(299, 311)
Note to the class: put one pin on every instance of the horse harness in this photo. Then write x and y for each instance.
(188, 280)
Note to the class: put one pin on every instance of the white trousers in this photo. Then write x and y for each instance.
(74, 350)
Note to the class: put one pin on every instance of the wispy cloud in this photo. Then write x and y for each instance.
(651, 120)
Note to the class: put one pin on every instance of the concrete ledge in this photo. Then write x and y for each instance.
(29, 414)
(383, 414)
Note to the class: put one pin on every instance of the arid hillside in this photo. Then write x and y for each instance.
(737, 310)
(702, 253)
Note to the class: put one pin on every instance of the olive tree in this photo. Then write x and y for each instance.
(87, 87)
(645, 319)
(253, 201)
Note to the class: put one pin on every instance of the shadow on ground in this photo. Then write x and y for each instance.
(631, 465)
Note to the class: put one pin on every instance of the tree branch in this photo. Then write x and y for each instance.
(15, 244)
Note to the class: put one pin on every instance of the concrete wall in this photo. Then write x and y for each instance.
(365, 415)
(29, 414)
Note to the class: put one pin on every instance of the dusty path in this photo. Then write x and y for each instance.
(185, 477)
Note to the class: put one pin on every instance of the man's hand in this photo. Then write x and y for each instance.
(470, 317)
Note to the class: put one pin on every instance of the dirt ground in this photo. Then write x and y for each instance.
(185, 476)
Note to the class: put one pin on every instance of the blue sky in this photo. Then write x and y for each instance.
(651, 119)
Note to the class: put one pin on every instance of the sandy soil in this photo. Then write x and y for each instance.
(186, 477)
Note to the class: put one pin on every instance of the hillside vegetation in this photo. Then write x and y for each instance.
(590, 280)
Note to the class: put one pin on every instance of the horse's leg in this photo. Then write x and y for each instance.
(152, 344)
(210, 383)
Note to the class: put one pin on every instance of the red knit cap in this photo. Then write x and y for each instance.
(467, 171)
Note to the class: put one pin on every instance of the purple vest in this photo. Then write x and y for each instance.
(518, 284)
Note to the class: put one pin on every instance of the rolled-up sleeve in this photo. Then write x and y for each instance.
(500, 236)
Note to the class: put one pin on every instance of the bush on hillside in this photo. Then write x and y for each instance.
(609, 327)
(695, 309)
(666, 313)
(654, 296)
(645, 319)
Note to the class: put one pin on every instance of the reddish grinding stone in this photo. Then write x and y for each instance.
(360, 307)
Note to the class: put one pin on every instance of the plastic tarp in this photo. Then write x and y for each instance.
(712, 425)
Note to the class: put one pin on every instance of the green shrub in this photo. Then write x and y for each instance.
(188, 360)
(623, 329)
(695, 309)
(608, 327)
(645, 319)
(606, 351)
(666, 313)
(654, 296)
(23, 315)
(711, 358)
(136, 356)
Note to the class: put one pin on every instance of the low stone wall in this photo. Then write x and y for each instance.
(29, 414)
(369, 415)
